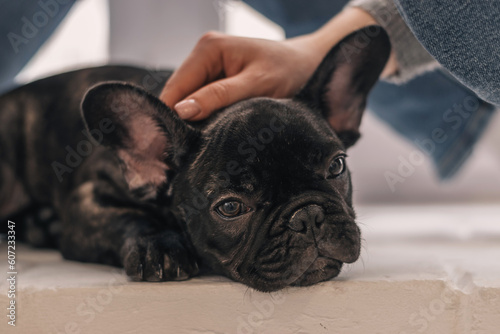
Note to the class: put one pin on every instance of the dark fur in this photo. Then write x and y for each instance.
(147, 196)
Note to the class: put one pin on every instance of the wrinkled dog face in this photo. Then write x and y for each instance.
(262, 188)
(270, 197)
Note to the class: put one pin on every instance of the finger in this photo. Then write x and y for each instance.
(202, 66)
(188, 78)
(216, 95)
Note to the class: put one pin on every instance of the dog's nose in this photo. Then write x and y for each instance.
(308, 215)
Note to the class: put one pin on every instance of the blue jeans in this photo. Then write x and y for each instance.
(434, 111)
(463, 36)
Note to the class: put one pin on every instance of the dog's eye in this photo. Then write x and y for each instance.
(337, 166)
(232, 209)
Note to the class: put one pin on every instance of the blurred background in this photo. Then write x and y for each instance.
(160, 34)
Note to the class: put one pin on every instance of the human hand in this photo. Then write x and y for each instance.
(224, 69)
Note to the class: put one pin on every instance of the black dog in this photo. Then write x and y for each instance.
(260, 192)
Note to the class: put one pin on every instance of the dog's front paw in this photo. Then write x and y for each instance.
(154, 258)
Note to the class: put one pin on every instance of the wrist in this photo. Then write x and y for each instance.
(322, 40)
(343, 24)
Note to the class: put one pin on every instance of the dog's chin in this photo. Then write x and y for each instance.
(322, 269)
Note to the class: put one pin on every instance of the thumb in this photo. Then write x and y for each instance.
(214, 96)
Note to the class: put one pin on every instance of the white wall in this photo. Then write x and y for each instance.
(81, 40)
(159, 34)
(165, 35)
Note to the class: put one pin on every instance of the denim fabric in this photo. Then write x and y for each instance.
(434, 111)
(463, 36)
(437, 114)
(24, 26)
(298, 17)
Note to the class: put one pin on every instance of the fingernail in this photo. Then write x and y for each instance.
(187, 109)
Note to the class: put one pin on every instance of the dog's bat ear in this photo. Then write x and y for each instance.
(148, 137)
(340, 85)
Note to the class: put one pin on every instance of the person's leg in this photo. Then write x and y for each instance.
(440, 116)
(298, 17)
(418, 109)
(463, 36)
(25, 25)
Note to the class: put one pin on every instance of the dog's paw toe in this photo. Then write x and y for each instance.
(158, 258)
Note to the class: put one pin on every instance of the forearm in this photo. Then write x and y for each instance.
(408, 57)
(344, 23)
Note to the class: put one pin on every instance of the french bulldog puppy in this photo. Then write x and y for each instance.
(259, 192)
